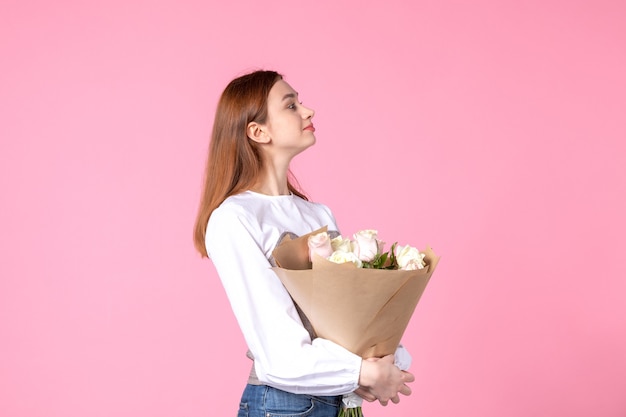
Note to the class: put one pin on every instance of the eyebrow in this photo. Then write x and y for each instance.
(289, 95)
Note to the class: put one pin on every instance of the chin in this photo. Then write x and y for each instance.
(305, 147)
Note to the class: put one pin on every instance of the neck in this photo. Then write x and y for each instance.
(273, 180)
(271, 189)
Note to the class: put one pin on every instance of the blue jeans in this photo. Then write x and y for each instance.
(264, 401)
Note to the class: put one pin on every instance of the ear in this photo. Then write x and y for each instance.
(257, 133)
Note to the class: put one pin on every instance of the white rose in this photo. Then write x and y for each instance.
(366, 245)
(340, 257)
(409, 258)
(319, 244)
(413, 264)
(339, 244)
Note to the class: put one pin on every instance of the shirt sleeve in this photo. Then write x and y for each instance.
(285, 357)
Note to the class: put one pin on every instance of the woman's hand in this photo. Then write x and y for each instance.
(365, 393)
(382, 380)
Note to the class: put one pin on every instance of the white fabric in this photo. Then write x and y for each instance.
(402, 358)
(240, 237)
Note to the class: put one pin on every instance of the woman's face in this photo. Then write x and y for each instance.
(289, 125)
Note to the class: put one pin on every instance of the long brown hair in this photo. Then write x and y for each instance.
(234, 162)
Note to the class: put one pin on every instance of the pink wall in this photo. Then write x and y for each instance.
(493, 131)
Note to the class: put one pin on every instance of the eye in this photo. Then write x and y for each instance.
(292, 106)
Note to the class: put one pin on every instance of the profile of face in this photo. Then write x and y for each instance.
(289, 128)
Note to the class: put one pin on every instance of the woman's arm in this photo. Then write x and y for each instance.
(285, 357)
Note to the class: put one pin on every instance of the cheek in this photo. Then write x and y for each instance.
(287, 127)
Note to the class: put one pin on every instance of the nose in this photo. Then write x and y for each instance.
(307, 113)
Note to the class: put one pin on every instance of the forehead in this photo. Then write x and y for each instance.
(280, 90)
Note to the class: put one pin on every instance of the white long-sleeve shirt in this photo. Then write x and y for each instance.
(241, 235)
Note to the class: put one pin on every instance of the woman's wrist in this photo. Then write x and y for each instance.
(368, 374)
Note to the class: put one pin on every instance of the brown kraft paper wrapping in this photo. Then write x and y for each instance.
(364, 310)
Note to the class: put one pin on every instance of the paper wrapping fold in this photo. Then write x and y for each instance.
(364, 310)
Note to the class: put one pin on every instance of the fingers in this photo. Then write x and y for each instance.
(395, 400)
(408, 377)
(404, 390)
(382, 380)
(365, 394)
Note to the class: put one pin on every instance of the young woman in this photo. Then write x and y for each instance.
(248, 205)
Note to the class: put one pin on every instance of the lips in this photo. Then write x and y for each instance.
(310, 127)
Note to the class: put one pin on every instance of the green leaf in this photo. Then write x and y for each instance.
(392, 251)
(385, 260)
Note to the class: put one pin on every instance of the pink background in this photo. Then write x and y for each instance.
(492, 130)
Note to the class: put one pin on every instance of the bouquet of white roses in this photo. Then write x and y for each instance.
(364, 251)
(353, 292)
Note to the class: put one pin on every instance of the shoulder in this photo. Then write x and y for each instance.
(266, 217)
(233, 210)
(230, 224)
